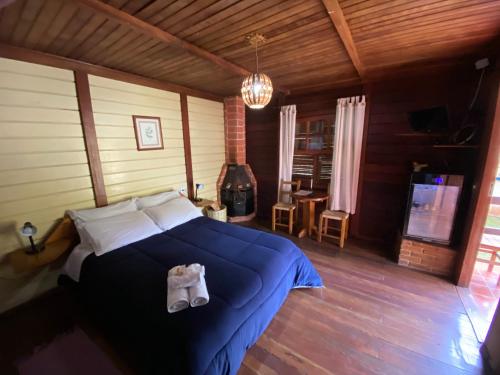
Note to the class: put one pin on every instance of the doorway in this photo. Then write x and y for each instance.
(478, 268)
(481, 298)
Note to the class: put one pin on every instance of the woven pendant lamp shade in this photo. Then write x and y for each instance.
(257, 90)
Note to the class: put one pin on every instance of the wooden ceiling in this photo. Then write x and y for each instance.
(201, 44)
(393, 33)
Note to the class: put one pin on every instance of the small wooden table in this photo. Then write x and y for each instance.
(308, 211)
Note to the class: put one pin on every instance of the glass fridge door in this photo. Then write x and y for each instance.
(432, 212)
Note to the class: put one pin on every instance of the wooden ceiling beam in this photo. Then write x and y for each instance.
(145, 28)
(339, 22)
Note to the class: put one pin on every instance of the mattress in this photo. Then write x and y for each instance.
(249, 274)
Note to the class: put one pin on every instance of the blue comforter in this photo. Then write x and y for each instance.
(248, 273)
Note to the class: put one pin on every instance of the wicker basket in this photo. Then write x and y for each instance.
(220, 215)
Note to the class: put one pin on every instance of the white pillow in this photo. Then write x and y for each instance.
(173, 213)
(156, 199)
(80, 217)
(113, 232)
(102, 212)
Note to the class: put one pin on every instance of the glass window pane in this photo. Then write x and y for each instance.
(317, 127)
(315, 139)
(300, 143)
(316, 142)
(301, 128)
(301, 136)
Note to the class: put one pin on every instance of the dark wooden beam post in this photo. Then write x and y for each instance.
(90, 137)
(187, 146)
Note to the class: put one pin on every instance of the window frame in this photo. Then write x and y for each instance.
(317, 183)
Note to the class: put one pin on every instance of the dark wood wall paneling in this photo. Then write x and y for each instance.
(262, 145)
(389, 152)
(322, 103)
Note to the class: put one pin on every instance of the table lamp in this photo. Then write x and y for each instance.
(29, 230)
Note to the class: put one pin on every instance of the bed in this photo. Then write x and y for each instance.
(249, 274)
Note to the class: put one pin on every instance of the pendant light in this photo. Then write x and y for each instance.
(257, 88)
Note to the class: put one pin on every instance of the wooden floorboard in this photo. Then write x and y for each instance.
(372, 317)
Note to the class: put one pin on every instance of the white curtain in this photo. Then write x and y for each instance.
(349, 122)
(287, 138)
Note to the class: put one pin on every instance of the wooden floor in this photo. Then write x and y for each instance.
(373, 317)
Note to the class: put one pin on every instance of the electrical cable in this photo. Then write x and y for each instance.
(478, 87)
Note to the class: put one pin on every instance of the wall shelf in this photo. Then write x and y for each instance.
(456, 146)
(422, 135)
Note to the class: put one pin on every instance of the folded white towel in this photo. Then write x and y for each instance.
(177, 298)
(198, 293)
(184, 277)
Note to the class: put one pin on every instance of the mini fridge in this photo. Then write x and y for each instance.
(432, 207)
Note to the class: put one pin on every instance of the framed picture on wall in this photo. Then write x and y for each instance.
(148, 133)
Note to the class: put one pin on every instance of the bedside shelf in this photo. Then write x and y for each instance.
(62, 239)
(23, 262)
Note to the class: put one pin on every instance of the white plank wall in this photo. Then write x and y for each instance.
(128, 172)
(43, 165)
(206, 127)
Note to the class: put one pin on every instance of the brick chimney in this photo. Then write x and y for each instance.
(235, 142)
(234, 129)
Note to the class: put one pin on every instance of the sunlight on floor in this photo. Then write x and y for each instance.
(481, 298)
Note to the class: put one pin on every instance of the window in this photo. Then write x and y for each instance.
(312, 161)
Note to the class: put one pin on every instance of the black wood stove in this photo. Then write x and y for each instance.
(237, 191)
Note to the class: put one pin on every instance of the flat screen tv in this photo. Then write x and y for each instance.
(432, 206)
(430, 120)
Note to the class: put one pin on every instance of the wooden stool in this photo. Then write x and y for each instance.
(286, 203)
(337, 216)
